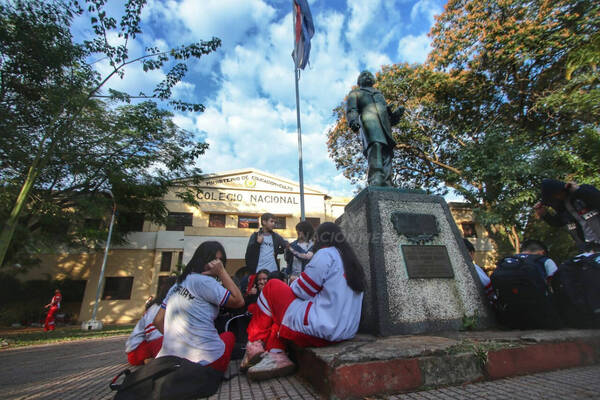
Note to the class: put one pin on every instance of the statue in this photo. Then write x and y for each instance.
(367, 111)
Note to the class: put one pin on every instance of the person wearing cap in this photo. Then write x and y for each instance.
(575, 206)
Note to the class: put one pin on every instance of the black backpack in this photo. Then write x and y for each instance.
(167, 378)
(577, 288)
(524, 301)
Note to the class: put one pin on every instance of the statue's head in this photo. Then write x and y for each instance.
(366, 79)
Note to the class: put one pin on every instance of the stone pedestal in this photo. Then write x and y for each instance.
(417, 281)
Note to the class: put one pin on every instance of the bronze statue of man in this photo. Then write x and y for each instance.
(367, 111)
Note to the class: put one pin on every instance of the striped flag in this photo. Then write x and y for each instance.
(304, 31)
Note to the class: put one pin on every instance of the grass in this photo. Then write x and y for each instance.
(21, 337)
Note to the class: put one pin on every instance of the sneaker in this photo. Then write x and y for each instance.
(271, 365)
(254, 351)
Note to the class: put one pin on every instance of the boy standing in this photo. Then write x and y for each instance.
(264, 246)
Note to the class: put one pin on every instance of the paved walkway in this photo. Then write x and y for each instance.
(82, 370)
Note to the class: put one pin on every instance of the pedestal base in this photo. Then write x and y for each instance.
(439, 288)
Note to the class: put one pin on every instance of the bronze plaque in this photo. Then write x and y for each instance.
(427, 262)
(417, 228)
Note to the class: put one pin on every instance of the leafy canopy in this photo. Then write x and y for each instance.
(66, 139)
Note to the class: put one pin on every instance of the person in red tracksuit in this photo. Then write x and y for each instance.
(54, 306)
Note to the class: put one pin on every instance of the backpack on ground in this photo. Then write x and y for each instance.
(524, 300)
(577, 288)
(167, 378)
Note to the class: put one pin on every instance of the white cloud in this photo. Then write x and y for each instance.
(425, 9)
(250, 120)
(414, 49)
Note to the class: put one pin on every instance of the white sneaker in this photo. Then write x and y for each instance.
(271, 365)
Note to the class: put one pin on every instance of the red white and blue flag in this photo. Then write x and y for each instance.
(304, 31)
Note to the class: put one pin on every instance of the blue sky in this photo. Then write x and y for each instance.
(247, 85)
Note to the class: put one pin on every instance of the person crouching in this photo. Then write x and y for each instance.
(321, 307)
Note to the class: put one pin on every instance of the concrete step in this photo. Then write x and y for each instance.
(372, 366)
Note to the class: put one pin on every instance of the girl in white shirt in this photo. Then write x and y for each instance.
(145, 341)
(188, 312)
(321, 307)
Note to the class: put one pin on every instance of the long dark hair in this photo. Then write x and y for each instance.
(329, 234)
(204, 254)
(162, 291)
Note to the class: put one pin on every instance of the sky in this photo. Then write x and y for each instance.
(247, 85)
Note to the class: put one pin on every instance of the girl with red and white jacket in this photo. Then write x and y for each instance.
(321, 307)
(145, 341)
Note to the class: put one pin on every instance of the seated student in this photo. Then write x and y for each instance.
(257, 337)
(577, 289)
(485, 280)
(537, 248)
(188, 312)
(521, 281)
(256, 283)
(145, 341)
(321, 307)
(300, 251)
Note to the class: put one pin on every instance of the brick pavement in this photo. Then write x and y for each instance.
(82, 370)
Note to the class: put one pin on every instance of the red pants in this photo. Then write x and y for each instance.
(144, 350)
(279, 296)
(50, 323)
(222, 363)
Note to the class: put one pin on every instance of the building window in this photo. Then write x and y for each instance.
(130, 222)
(216, 221)
(468, 229)
(180, 258)
(245, 221)
(315, 222)
(177, 221)
(162, 280)
(279, 222)
(117, 288)
(165, 261)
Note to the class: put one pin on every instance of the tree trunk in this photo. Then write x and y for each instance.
(11, 223)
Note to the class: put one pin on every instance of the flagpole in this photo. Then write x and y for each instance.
(300, 172)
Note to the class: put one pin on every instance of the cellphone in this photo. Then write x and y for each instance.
(260, 230)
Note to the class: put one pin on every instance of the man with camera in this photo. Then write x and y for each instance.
(264, 246)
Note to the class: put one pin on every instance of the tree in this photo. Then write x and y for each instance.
(60, 146)
(482, 115)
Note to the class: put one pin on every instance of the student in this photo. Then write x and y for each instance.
(256, 283)
(264, 246)
(485, 280)
(300, 251)
(187, 314)
(257, 337)
(536, 248)
(53, 306)
(321, 307)
(576, 206)
(145, 341)
(522, 282)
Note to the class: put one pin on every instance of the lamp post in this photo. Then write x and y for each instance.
(94, 324)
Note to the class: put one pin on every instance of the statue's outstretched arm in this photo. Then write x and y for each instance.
(352, 114)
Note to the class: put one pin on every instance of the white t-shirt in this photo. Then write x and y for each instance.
(297, 263)
(191, 308)
(550, 267)
(266, 257)
(144, 330)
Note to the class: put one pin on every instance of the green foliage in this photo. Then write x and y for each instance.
(494, 110)
(62, 147)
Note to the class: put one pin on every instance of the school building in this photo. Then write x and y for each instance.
(230, 205)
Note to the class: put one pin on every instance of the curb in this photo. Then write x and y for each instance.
(335, 380)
